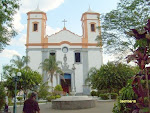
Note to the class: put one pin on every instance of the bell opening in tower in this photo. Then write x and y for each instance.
(35, 27)
(93, 27)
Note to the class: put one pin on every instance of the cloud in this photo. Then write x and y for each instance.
(107, 58)
(29, 5)
(22, 40)
(50, 31)
(18, 42)
(44, 5)
(17, 22)
(8, 53)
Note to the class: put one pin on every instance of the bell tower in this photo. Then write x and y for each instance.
(90, 22)
(36, 28)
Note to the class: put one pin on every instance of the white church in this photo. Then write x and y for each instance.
(77, 53)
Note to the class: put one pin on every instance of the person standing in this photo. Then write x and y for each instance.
(31, 105)
(6, 108)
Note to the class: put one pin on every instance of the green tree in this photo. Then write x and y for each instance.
(50, 65)
(7, 10)
(110, 77)
(58, 88)
(7, 68)
(2, 95)
(19, 62)
(16, 63)
(117, 23)
(27, 81)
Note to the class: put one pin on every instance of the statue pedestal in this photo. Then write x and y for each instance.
(73, 102)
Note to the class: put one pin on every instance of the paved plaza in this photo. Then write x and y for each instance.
(101, 107)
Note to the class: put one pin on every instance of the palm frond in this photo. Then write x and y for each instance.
(50, 65)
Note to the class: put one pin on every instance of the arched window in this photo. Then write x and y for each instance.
(77, 57)
(93, 27)
(35, 26)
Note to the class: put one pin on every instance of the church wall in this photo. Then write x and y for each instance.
(79, 78)
(93, 47)
(35, 47)
(86, 90)
(35, 60)
(35, 15)
(78, 47)
(64, 35)
(92, 16)
(45, 54)
(98, 58)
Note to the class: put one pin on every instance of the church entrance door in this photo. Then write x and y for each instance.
(66, 85)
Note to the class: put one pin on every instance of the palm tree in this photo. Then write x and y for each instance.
(50, 65)
(16, 63)
(19, 62)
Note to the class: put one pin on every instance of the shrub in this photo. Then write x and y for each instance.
(58, 88)
(126, 93)
(50, 93)
(19, 98)
(104, 96)
(93, 93)
(43, 91)
(49, 98)
(57, 96)
(101, 92)
(114, 95)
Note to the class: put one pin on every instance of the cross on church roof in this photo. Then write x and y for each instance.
(64, 22)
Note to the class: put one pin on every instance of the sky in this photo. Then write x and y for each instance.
(57, 11)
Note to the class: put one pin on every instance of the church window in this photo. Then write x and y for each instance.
(93, 27)
(52, 54)
(77, 57)
(35, 26)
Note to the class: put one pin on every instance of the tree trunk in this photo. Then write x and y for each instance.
(52, 86)
(56, 79)
(52, 82)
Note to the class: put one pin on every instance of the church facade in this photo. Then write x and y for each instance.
(77, 53)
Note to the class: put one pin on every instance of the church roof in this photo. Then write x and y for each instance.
(90, 11)
(64, 29)
(37, 10)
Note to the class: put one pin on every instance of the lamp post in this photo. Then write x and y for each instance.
(16, 77)
(73, 88)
